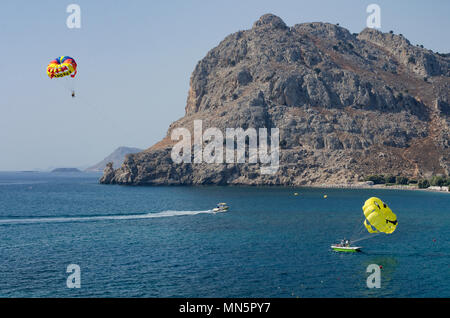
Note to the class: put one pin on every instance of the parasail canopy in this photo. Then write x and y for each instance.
(62, 66)
(378, 217)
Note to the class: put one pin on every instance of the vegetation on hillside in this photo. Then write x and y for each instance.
(437, 181)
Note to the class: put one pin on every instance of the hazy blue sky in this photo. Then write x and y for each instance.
(135, 59)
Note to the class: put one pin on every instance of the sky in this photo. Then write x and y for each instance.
(134, 61)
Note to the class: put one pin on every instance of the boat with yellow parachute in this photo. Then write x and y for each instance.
(378, 218)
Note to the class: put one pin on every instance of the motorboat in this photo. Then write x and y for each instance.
(344, 246)
(221, 207)
(340, 248)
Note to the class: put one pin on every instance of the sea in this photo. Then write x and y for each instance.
(65, 235)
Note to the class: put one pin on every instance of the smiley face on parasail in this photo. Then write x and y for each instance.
(379, 217)
(62, 66)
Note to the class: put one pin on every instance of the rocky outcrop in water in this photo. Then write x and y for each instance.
(347, 105)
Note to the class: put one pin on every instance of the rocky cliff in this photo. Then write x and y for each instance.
(347, 105)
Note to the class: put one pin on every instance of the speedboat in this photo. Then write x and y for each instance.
(343, 248)
(221, 207)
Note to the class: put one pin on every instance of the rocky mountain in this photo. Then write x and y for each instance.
(347, 105)
(116, 158)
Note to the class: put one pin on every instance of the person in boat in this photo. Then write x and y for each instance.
(345, 243)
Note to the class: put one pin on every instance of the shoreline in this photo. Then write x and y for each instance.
(358, 185)
(380, 186)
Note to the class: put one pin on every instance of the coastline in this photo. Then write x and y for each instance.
(364, 185)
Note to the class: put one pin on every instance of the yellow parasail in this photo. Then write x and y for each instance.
(379, 217)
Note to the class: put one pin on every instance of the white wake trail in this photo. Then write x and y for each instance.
(102, 218)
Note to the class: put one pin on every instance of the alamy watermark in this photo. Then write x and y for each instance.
(74, 279)
(374, 279)
(374, 19)
(73, 21)
(214, 151)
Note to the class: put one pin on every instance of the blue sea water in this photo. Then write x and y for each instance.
(164, 241)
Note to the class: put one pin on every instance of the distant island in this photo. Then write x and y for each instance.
(116, 157)
(66, 170)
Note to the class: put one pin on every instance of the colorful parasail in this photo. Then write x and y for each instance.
(62, 66)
